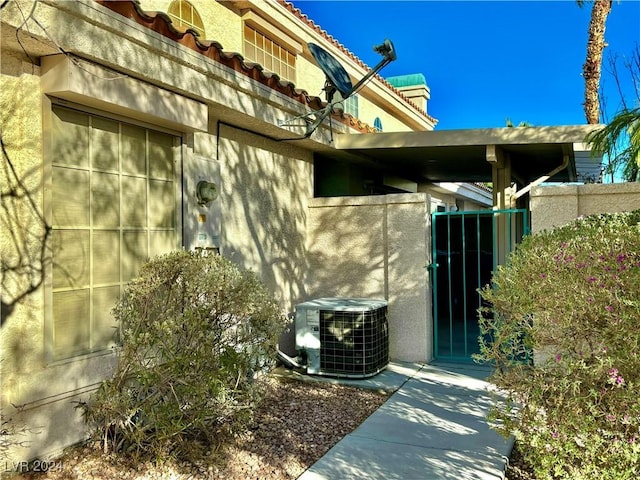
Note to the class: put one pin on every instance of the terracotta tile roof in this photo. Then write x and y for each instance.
(298, 13)
(161, 23)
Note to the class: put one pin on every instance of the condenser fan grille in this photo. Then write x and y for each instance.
(354, 342)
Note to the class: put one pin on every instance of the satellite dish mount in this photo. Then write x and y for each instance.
(337, 80)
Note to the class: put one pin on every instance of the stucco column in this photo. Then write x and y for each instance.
(500, 176)
(502, 196)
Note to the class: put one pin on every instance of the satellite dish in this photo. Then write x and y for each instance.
(337, 80)
(337, 76)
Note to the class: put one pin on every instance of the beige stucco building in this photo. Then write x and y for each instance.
(111, 114)
(114, 112)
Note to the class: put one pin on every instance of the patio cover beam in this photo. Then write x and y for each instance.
(461, 155)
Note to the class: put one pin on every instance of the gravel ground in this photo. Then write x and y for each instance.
(518, 469)
(295, 425)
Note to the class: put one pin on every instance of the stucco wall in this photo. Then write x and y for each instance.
(36, 394)
(558, 205)
(223, 23)
(23, 253)
(368, 112)
(263, 204)
(263, 208)
(220, 23)
(376, 247)
(266, 187)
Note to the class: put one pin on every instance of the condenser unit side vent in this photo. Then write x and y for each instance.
(343, 337)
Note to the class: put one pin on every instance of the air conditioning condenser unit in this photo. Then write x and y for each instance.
(343, 337)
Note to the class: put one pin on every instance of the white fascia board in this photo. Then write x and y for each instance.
(392, 102)
(568, 134)
(467, 191)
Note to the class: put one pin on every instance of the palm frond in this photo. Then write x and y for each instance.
(620, 140)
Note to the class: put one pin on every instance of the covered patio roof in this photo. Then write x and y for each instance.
(472, 155)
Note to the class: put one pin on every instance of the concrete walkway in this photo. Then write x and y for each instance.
(433, 427)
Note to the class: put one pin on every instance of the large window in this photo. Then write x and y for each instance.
(272, 56)
(351, 106)
(184, 15)
(114, 205)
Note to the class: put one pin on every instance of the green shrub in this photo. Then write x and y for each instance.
(195, 331)
(563, 333)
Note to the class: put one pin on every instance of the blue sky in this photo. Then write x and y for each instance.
(486, 61)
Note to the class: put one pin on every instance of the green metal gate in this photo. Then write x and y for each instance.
(466, 248)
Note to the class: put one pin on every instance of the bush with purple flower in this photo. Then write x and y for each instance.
(563, 331)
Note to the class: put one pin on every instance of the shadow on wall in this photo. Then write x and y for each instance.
(265, 190)
(347, 254)
(376, 247)
(44, 393)
(25, 251)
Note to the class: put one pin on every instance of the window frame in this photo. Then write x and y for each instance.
(351, 106)
(276, 37)
(180, 22)
(179, 148)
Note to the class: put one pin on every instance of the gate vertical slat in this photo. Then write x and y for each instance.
(449, 282)
(494, 229)
(478, 246)
(433, 271)
(510, 232)
(464, 284)
(501, 244)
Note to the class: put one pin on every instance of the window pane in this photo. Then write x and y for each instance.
(134, 253)
(174, 8)
(70, 197)
(71, 258)
(185, 15)
(104, 144)
(161, 155)
(162, 206)
(70, 137)
(104, 326)
(105, 200)
(161, 242)
(134, 201)
(250, 52)
(103, 212)
(133, 150)
(272, 56)
(71, 322)
(106, 252)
